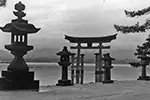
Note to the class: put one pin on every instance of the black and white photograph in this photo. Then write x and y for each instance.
(74, 50)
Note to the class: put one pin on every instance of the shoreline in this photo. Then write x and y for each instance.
(56, 63)
(119, 90)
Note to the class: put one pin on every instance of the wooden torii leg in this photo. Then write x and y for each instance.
(100, 63)
(78, 63)
(82, 68)
(72, 67)
(96, 67)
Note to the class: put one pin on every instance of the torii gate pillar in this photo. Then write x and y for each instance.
(89, 41)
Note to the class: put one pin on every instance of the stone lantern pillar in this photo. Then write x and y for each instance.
(144, 62)
(64, 62)
(18, 76)
(107, 68)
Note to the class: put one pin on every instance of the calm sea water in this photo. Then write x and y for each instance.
(50, 73)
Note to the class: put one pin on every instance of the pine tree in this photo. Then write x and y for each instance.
(3, 3)
(143, 53)
(135, 28)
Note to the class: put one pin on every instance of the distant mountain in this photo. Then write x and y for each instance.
(5, 55)
(49, 55)
(43, 52)
(122, 54)
(42, 55)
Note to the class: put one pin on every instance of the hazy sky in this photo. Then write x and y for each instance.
(76, 18)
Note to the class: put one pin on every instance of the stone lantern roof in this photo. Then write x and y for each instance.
(19, 25)
(64, 52)
(18, 76)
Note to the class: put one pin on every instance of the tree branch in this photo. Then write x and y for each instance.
(133, 29)
(137, 13)
(135, 64)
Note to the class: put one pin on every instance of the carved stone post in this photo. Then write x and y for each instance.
(72, 67)
(82, 68)
(107, 68)
(64, 62)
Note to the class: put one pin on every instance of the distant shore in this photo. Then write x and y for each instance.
(47, 61)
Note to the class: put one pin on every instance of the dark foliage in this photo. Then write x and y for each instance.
(143, 53)
(135, 64)
(133, 29)
(137, 13)
(3, 3)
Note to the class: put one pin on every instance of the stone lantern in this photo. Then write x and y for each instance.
(107, 68)
(143, 53)
(144, 62)
(64, 62)
(18, 76)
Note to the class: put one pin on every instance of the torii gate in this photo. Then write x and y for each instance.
(89, 41)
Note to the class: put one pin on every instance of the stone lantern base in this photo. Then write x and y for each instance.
(18, 80)
(146, 78)
(108, 81)
(107, 75)
(64, 83)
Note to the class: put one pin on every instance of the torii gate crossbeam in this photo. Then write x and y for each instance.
(89, 41)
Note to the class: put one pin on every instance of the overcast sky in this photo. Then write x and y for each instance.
(76, 18)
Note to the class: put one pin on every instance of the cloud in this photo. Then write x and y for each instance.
(77, 18)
